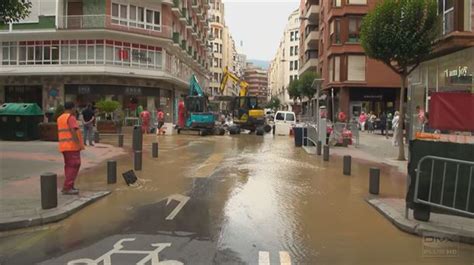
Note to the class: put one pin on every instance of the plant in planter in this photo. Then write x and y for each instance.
(106, 108)
(48, 131)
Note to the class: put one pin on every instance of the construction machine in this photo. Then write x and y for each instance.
(247, 114)
(198, 117)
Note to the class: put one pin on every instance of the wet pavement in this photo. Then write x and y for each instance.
(238, 199)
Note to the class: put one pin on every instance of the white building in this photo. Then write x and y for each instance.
(284, 66)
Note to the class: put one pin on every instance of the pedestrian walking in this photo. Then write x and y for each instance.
(395, 126)
(145, 117)
(181, 114)
(70, 145)
(371, 122)
(383, 123)
(362, 120)
(161, 120)
(88, 119)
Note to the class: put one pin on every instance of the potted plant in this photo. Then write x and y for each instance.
(48, 131)
(107, 108)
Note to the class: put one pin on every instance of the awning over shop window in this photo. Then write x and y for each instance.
(452, 111)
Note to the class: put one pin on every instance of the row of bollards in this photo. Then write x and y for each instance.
(374, 173)
(48, 181)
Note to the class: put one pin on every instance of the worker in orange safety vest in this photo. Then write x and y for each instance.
(70, 145)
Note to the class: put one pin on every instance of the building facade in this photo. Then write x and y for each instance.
(285, 65)
(352, 81)
(135, 52)
(257, 78)
(309, 37)
(450, 67)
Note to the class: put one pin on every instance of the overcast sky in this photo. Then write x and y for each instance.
(258, 24)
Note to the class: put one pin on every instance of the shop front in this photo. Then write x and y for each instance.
(376, 100)
(130, 97)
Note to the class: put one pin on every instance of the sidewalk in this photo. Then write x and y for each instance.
(21, 164)
(376, 148)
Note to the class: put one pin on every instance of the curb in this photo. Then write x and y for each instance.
(419, 228)
(51, 215)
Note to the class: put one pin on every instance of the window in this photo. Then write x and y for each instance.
(296, 65)
(291, 66)
(280, 116)
(336, 3)
(290, 117)
(335, 68)
(291, 51)
(446, 10)
(335, 31)
(356, 68)
(357, 2)
(354, 29)
(297, 35)
(133, 16)
(292, 34)
(296, 50)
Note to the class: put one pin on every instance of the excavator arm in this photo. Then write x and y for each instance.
(228, 75)
(194, 87)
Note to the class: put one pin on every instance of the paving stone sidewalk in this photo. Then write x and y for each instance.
(21, 164)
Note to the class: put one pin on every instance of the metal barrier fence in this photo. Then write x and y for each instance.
(440, 195)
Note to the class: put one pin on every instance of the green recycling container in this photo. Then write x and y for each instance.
(19, 121)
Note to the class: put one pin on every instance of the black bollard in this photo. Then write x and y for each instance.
(347, 165)
(96, 137)
(319, 146)
(49, 191)
(374, 180)
(326, 153)
(137, 142)
(111, 172)
(120, 140)
(154, 149)
(137, 160)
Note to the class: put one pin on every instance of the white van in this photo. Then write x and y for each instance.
(284, 121)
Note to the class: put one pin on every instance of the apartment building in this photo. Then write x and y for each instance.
(450, 67)
(309, 36)
(352, 81)
(257, 78)
(135, 52)
(285, 65)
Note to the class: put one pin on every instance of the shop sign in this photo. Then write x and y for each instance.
(373, 97)
(135, 91)
(459, 72)
(83, 89)
(141, 55)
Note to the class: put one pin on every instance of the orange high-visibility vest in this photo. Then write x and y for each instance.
(66, 142)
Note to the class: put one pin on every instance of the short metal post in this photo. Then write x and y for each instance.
(111, 172)
(137, 142)
(319, 147)
(347, 165)
(120, 140)
(137, 160)
(326, 152)
(96, 137)
(154, 149)
(49, 190)
(374, 180)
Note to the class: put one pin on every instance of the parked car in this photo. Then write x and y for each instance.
(284, 122)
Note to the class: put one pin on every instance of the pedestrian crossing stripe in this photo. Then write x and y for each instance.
(264, 258)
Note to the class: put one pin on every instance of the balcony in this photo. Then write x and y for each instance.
(311, 62)
(312, 13)
(183, 45)
(312, 39)
(207, 4)
(168, 2)
(183, 17)
(86, 22)
(195, 5)
(175, 8)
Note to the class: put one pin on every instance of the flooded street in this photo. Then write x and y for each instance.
(228, 200)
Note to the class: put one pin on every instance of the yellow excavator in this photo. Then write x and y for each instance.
(247, 114)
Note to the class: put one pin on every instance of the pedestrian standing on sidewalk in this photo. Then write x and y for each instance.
(395, 124)
(161, 120)
(145, 117)
(88, 119)
(70, 145)
(362, 120)
(371, 121)
(383, 123)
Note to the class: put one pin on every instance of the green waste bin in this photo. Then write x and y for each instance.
(19, 121)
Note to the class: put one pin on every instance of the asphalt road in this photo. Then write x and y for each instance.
(228, 200)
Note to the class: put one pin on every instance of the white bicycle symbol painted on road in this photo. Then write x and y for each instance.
(152, 256)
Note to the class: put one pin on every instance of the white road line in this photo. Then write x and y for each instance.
(285, 258)
(263, 258)
(182, 201)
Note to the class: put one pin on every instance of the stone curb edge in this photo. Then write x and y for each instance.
(417, 229)
(54, 215)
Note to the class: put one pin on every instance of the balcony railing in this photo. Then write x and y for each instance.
(176, 37)
(85, 22)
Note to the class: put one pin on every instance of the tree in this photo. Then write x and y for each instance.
(108, 106)
(305, 83)
(293, 90)
(401, 34)
(274, 103)
(13, 10)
